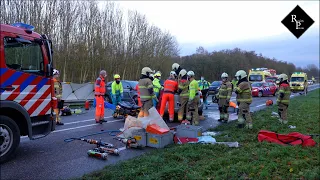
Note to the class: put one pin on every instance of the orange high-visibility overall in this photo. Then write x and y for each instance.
(99, 92)
(138, 92)
(170, 87)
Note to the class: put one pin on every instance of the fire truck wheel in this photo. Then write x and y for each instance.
(9, 138)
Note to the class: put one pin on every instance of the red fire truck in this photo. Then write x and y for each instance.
(26, 86)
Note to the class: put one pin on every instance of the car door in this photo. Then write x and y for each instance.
(273, 88)
(266, 89)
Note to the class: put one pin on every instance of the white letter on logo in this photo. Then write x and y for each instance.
(293, 17)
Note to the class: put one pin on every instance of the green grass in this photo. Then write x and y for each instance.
(253, 160)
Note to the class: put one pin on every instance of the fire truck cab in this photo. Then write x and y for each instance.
(26, 87)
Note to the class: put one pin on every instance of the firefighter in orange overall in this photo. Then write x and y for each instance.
(99, 92)
(170, 87)
(58, 95)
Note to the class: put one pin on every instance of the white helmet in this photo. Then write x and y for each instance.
(190, 73)
(56, 72)
(172, 73)
(175, 66)
(224, 75)
(182, 72)
(146, 71)
(282, 77)
(241, 74)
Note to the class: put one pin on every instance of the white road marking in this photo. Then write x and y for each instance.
(260, 105)
(61, 130)
(85, 120)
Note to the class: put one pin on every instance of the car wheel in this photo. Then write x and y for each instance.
(260, 94)
(9, 138)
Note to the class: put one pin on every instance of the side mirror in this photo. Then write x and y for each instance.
(49, 71)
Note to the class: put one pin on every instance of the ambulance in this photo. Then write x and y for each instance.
(258, 75)
(299, 82)
(26, 87)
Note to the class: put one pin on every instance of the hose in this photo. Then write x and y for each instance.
(110, 132)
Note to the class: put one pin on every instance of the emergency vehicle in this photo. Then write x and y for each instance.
(26, 86)
(258, 75)
(299, 82)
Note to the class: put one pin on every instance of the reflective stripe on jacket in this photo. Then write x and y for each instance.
(100, 87)
(116, 89)
(57, 88)
(203, 84)
(156, 85)
(170, 86)
(193, 89)
(146, 87)
(225, 90)
(184, 87)
(285, 89)
(244, 92)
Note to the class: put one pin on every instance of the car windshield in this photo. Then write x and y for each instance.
(271, 79)
(255, 78)
(216, 83)
(256, 84)
(297, 79)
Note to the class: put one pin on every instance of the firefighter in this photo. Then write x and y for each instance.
(116, 90)
(283, 98)
(99, 93)
(156, 87)
(58, 95)
(183, 92)
(244, 99)
(146, 91)
(224, 96)
(176, 68)
(204, 87)
(193, 99)
(170, 87)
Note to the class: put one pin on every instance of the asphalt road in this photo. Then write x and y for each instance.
(52, 158)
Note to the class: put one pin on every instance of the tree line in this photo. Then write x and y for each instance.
(87, 38)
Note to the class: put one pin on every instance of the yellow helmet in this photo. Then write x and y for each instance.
(117, 76)
(157, 75)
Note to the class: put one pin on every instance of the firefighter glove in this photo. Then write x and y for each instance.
(281, 95)
(227, 101)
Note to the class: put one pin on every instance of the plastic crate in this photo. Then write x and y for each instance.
(159, 141)
(189, 131)
(141, 136)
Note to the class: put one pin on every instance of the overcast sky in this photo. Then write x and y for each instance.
(211, 23)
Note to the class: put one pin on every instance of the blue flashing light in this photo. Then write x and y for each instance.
(24, 26)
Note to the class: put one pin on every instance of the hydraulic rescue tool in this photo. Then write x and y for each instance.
(93, 153)
(113, 151)
(130, 143)
(98, 143)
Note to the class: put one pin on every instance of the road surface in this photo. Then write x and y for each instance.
(52, 158)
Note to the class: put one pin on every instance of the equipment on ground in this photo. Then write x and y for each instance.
(98, 143)
(269, 102)
(101, 149)
(130, 143)
(96, 154)
(123, 109)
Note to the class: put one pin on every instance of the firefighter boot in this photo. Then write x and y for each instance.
(241, 122)
(226, 118)
(248, 126)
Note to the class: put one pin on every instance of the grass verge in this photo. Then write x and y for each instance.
(253, 160)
